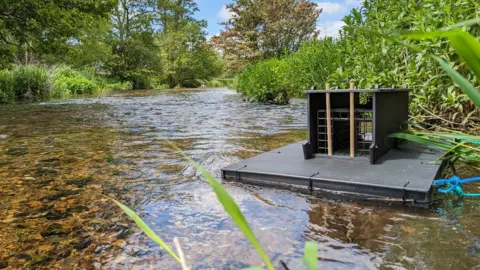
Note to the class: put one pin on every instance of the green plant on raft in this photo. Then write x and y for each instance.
(311, 249)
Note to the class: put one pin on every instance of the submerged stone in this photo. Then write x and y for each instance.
(23, 256)
(60, 194)
(82, 244)
(55, 215)
(81, 182)
(53, 229)
(17, 151)
(77, 209)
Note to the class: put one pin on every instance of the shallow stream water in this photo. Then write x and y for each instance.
(58, 161)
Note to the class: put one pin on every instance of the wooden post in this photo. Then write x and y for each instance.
(329, 120)
(352, 120)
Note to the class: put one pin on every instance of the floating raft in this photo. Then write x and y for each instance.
(405, 173)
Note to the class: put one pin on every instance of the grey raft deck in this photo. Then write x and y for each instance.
(405, 173)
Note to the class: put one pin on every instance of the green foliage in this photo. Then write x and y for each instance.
(31, 82)
(67, 81)
(31, 29)
(468, 48)
(264, 80)
(310, 66)
(188, 59)
(78, 85)
(265, 28)
(7, 87)
(144, 42)
(219, 82)
(40, 83)
(369, 59)
(456, 145)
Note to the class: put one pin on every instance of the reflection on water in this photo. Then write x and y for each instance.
(59, 160)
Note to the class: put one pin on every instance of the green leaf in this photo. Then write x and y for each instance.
(466, 46)
(229, 205)
(146, 229)
(472, 50)
(463, 83)
(462, 24)
(310, 257)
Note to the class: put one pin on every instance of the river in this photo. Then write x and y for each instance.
(58, 161)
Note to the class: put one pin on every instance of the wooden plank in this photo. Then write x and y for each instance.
(352, 120)
(329, 120)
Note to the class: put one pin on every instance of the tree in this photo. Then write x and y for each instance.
(173, 15)
(30, 29)
(136, 55)
(266, 28)
(187, 57)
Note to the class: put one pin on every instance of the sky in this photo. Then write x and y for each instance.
(329, 23)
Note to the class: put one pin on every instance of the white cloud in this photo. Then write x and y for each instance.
(330, 29)
(224, 14)
(331, 8)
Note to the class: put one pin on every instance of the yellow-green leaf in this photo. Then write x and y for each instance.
(310, 257)
(466, 46)
(146, 229)
(229, 205)
(463, 83)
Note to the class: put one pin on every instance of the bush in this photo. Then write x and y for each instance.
(370, 60)
(310, 66)
(78, 84)
(217, 83)
(31, 83)
(105, 87)
(66, 81)
(7, 87)
(264, 80)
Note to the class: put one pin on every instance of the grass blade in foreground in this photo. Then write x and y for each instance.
(463, 83)
(466, 46)
(310, 258)
(149, 232)
(229, 205)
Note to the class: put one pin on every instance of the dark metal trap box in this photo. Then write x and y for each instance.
(348, 150)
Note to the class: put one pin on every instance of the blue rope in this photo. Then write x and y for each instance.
(454, 185)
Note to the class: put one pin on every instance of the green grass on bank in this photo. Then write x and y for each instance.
(34, 83)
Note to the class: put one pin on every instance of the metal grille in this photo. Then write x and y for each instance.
(340, 121)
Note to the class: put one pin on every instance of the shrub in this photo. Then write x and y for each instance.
(264, 80)
(60, 82)
(311, 65)
(66, 81)
(105, 87)
(60, 90)
(7, 87)
(78, 85)
(31, 82)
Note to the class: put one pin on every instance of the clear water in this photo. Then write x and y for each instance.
(58, 160)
